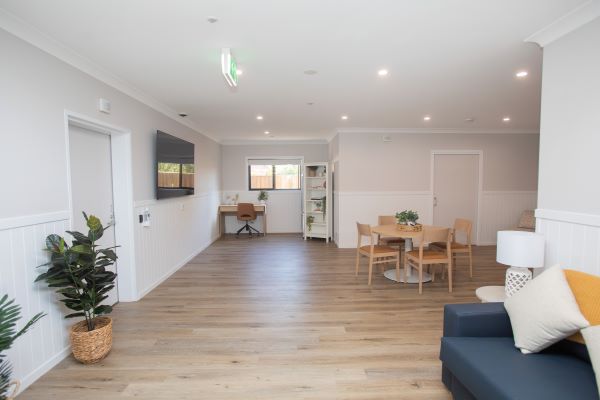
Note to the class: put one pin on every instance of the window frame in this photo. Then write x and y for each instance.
(300, 161)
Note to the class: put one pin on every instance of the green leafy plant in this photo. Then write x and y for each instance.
(263, 195)
(407, 217)
(310, 219)
(10, 313)
(79, 272)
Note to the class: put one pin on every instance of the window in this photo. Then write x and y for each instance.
(274, 174)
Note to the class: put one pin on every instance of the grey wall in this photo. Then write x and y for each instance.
(570, 125)
(234, 157)
(510, 161)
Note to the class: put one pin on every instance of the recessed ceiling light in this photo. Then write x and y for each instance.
(267, 132)
(239, 72)
(212, 19)
(344, 117)
(310, 103)
(382, 72)
(427, 118)
(506, 119)
(470, 119)
(259, 117)
(522, 74)
(311, 72)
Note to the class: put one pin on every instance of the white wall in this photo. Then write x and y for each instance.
(569, 193)
(36, 89)
(384, 177)
(283, 207)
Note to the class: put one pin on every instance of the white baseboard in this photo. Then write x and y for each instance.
(176, 268)
(44, 368)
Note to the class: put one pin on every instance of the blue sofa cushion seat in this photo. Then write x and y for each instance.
(493, 369)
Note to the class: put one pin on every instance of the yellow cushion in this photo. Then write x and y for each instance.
(586, 288)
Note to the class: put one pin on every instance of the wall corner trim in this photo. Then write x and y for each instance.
(569, 22)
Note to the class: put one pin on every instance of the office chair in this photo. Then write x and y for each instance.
(246, 212)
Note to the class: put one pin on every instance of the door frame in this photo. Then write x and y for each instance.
(122, 182)
(478, 153)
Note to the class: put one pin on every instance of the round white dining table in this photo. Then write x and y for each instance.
(392, 231)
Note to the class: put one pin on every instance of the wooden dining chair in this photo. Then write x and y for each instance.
(464, 228)
(377, 254)
(388, 241)
(417, 259)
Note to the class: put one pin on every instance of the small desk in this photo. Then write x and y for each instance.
(225, 209)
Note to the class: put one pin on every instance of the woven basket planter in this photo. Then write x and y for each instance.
(90, 347)
(16, 385)
(409, 228)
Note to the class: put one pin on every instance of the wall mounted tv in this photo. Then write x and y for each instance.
(175, 166)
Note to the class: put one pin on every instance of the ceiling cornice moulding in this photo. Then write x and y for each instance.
(42, 41)
(429, 131)
(267, 142)
(574, 19)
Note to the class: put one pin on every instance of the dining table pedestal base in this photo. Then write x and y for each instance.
(412, 278)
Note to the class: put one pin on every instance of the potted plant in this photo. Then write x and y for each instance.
(10, 313)
(310, 219)
(263, 196)
(79, 274)
(407, 220)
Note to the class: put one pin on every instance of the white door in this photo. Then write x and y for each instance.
(91, 184)
(455, 189)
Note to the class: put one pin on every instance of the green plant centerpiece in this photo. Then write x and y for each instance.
(310, 219)
(407, 220)
(10, 313)
(263, 196)
(79, 274)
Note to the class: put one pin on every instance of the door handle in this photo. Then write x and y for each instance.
(435, 201)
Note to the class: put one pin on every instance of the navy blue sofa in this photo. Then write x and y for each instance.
(480, 361)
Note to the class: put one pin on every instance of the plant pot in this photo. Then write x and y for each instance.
(90, 347)
(409, 228)
(16, 385)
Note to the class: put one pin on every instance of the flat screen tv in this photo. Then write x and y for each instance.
(175, 166)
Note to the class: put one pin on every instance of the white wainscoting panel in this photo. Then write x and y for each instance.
(572, 239)
(22, 243)
(365, 207)
(501, 210)
(284, 211)
(180, 229)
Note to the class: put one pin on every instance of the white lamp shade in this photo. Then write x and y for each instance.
(520, 249)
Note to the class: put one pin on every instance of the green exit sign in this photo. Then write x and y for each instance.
(229, 67)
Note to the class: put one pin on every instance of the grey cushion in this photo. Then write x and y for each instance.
(492, 368)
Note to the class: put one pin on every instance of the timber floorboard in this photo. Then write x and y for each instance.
(274, 317)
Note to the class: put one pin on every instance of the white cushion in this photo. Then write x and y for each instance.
(592, 341)
(544, 312)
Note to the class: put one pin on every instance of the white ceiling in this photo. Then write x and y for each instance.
(448, 59)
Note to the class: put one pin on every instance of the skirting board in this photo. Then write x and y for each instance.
(43, 369)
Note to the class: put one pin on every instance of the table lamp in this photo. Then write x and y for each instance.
(521, 250)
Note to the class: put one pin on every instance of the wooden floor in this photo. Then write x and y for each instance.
(274, 318)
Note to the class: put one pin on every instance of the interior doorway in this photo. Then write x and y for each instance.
(456, 183)
(99, 177)
(92, 186)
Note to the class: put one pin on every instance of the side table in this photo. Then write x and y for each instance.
(491, 294)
